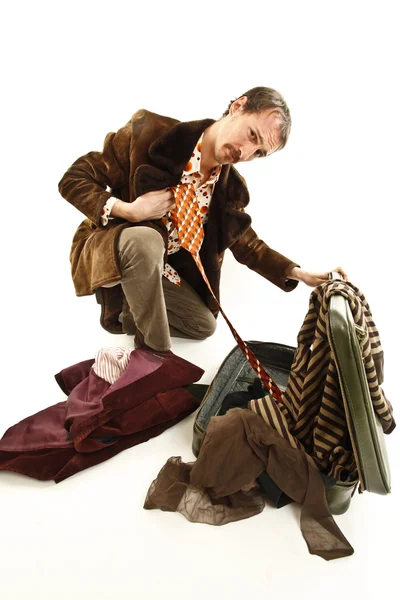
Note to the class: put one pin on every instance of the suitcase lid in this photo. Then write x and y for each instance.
(364, 426)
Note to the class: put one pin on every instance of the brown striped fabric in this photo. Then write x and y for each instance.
(311, 415)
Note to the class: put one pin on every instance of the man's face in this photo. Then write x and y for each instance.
(244, 137)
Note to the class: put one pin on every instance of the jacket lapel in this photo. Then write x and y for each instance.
(229, 199)
(149, 178)
(169, 154)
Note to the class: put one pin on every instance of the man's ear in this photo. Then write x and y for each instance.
(238, 104)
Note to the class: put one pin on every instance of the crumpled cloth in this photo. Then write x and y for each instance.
(99, 419)
(220, 486)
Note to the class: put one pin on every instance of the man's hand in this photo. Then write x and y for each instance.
(313, 279)
(152, 205)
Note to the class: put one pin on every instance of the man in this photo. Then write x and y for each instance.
(127, 250)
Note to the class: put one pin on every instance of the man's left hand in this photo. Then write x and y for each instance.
(314, 279)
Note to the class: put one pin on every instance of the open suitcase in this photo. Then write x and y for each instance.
(365, 429)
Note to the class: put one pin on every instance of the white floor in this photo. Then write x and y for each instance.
(329, 198)
(89, 535)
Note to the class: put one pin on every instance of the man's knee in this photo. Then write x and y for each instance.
(205, 326)
(142, 244)
(211, 325)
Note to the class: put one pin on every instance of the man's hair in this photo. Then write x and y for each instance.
(262, 98)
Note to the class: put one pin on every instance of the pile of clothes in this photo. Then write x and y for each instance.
(116, 400)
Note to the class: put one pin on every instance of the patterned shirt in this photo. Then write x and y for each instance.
(191, 174)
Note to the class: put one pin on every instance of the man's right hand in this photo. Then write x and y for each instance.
(152, 205)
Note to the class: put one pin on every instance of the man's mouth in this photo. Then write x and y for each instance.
(232, 156)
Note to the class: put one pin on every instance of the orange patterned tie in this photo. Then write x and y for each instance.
(186, 218)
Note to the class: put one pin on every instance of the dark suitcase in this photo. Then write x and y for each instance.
(366, 434)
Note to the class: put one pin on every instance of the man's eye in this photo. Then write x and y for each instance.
(253, 135)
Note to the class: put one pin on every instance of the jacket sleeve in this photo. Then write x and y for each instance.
(255, 254)
(84, 183)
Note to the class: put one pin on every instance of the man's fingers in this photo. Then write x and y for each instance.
(167, 207)
(162, 191)
(342, 272)
(164, 194)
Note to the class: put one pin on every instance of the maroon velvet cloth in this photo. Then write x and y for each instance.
(100, 419)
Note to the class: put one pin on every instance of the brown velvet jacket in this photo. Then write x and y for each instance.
(150, 153)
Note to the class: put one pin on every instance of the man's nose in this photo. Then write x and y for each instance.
(246, 151)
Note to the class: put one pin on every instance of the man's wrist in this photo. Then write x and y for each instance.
(124, 210)
(295, 273)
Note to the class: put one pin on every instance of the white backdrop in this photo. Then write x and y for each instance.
(73, 71)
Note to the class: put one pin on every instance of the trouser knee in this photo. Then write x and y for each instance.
(198, 326)
(209, 325)
(141, 247)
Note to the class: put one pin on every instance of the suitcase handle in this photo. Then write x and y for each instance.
(335, 275)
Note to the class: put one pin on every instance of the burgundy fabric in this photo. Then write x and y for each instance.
(100, 419)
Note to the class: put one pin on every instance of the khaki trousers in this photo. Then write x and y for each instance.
(155, 308)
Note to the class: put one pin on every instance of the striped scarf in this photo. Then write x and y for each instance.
(312, 416)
